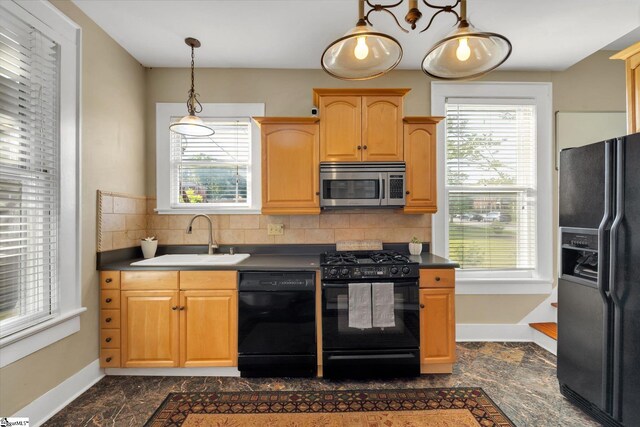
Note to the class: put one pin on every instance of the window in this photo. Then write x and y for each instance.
(495, 197)
(218, 173)
(39, 288)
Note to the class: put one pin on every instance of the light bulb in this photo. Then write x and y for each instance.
(361, 50)
(463, 52)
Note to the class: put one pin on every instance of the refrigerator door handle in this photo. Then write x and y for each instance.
(613, 267)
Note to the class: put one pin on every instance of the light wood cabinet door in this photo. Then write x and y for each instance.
(420, 157)
(208, 328)
(631, 56)
(290, 168)
(340, 128)
(150, 330)
(437, 328)
(382, 128)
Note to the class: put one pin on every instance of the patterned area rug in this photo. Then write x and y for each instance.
(450, 407)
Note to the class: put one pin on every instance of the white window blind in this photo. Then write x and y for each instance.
(215, 170)
(29, 174)
(490, 183)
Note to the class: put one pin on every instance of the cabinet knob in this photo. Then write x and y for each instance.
(437, 278)
(175, 307)
(317, 193)
(109, 280)
(108, 339)
(108, 320)
(364, 147)
(407, 192)
(108, 300)
(359, 147)
(181, 308)
(421, 305)
(108, 359)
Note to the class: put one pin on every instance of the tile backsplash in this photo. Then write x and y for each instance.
(123, 220)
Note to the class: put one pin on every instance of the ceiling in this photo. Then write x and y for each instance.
(546, 34)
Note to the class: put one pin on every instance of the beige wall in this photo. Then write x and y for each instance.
(113, 157)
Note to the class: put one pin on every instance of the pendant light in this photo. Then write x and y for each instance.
(466, 52)
(362, 53)
(192, 125)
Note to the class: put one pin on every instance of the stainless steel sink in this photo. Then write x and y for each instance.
(179, 260)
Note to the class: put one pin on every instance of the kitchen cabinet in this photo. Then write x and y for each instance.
(360, 124)
(437, 322)
(631, 57)
(420, 158)
(189, 321)
(290, 165)
(109, 319)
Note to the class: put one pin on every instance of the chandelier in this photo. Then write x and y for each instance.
(365, 53)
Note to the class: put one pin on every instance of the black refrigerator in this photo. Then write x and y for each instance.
(599, 283)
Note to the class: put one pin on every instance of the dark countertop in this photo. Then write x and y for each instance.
(299, 258)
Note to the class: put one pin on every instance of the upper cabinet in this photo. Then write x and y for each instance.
(290, 165)
(631, 57)
(420, 157)
(360, 124)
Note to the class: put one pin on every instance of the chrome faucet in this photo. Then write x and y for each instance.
(212, 241)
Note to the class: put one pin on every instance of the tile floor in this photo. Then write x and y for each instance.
(519, 377)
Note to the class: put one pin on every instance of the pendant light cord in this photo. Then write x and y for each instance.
(193, 105)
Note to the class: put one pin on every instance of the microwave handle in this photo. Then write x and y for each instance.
(380, 189)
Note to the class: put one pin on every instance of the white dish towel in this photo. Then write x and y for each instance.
(383, 303)
(360, 305)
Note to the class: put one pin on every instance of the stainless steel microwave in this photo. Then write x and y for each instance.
(362, 184)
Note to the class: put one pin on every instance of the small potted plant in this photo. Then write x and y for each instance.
(415, 246)
(149, 246)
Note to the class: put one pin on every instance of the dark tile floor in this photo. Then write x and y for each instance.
(519, 377)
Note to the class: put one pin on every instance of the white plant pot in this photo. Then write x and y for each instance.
(149, 248)
(415, 248)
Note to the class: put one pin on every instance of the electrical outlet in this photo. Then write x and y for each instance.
(275, 229)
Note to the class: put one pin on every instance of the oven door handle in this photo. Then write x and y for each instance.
(346, 285)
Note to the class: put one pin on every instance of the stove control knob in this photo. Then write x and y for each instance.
(344, 271)
(333, 272)
(394, 270)
(406, 270)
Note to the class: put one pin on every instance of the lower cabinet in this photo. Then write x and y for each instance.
(186, 328)
(437, 330)
(208, 325)
(150, 333)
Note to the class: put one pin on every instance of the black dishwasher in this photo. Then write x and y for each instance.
(277, 324)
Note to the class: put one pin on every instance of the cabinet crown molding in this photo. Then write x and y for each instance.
(285, 120)
(423, 119)
(627, 53)
(318, 92)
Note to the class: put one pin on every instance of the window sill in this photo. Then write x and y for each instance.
(467, 286)
(23, 343)
(208, 211)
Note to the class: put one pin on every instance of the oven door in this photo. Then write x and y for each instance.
(353, 189)
(337, 335)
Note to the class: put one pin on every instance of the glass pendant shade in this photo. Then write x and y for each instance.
(466, 53)
(361, 54)
(191, 126)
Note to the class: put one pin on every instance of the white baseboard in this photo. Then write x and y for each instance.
(175, 372)
(493, 332)
(545, 342)
(47, 405)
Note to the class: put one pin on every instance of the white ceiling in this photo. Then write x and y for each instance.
(546, 34)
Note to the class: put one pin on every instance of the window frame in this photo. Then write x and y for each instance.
(47, 19)
(164, 112)
(540, 280)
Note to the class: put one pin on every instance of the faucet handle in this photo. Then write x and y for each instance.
(232, 250)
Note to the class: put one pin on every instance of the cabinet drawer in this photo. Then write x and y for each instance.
(109, 338)
(432, 278)
(109, 280)
(149, 280)
(110, 358)
(110, 319)
(209, 280)
(110, 299)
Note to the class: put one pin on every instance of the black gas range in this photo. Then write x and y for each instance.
(374, 350)
(359, 265)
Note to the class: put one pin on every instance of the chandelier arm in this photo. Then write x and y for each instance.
(438, 13)
(384, 8)
(447, 7)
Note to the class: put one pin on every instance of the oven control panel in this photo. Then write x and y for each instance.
(370, 272)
